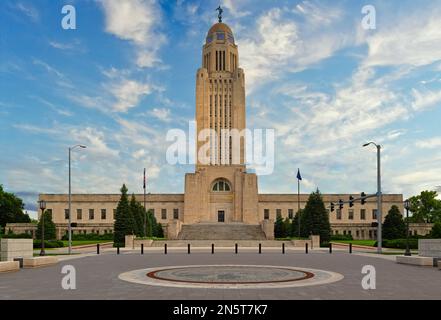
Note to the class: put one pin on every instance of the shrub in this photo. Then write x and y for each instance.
(48, 244)
(399, 243)
(347, 237)
(17, 236)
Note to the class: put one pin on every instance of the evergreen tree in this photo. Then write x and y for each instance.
(294, 230)
(159, 231)
(124, 221)
(393, 226)
(49, 227)
(286, 228)
(436, 231)
(11, 209)
(138, 214)
(278, 227)
(314, 219)
(151, 224)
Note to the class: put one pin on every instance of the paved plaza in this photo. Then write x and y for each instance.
(98, 277)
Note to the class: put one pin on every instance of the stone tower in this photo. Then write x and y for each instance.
(220, 190)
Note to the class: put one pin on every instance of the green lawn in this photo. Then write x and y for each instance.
(369, 243)
(84, 242)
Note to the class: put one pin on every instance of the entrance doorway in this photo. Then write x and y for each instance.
(221, 216)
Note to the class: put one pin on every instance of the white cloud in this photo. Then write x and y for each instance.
(431, 143)
(407, 39)
(136, 21)
(425, 99)
(28, 10)
(162, 114)
(94, 140)
(128, 94)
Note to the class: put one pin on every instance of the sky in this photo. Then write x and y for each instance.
(126, 75)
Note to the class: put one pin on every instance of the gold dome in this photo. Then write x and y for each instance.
(220, 27)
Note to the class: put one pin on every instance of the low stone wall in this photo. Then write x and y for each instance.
(132, 242)
(429, 248)
(9, 266)
(16, 248)
(36, 262)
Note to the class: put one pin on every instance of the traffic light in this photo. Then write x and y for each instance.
(340, 204)
(351, 201)
(363, 198)
(332, 206)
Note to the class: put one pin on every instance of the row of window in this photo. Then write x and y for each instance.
(266, 214)
(220, 36)
(104, 214)
(358, 233)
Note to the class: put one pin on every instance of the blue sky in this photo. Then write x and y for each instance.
(126, 75)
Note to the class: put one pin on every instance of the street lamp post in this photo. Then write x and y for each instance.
(407, 206)
(70, 196)
(379, 197)
(42, 208)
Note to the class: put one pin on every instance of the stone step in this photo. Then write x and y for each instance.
(221, 243)
(220, 231)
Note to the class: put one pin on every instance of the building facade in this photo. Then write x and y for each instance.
(221, 190)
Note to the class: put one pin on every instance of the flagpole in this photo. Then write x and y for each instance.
(298, 202)
(145, 210)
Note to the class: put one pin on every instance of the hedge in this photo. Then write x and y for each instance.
(399, 243)
(89, 236)
(17, 236)
(341, 237)
(48, 244)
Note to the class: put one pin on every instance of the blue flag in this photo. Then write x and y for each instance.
(298, 174)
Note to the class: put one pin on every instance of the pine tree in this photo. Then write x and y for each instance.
(294, 230)
(278, 227)
(159, 231)
(138, 214)
(49, 227)
(436, 231)
(314, 219)
(124, 221)
(394, 226)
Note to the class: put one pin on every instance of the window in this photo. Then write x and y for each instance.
(357, 233)
(351, 214)
(266, 214)
(291, 213)
(176, 214)
(91, 214)
(336, 231)
(350, 232)
(278, 212)
(103, 214)
(209, 39)
(344, 232)
(221, 185)
(163, 214)
(220, 36)
(338, 214)
(79, 214)
(370, 234)
(363, 214)
(374, 214)
(66, 214)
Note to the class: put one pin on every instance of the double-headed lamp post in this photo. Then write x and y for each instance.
(407, 206)
(379, 198)
(70, 196)
(42, 208)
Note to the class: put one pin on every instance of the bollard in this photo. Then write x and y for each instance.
(117, 249)
(260, 248)
(330, 247)
(283, 248)
(236, 248)
(212, 248)
(97, 248)
(142, 248)
(306, 248)
(188, 248)
(350, 248)
(165, 248)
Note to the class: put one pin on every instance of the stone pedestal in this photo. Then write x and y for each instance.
(429, 248)
(173, 229)
(415, 260)
(315, 241)
(268, 229)
(16, 248)
(130, 241)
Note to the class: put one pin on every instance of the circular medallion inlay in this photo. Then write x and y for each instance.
(230, 276)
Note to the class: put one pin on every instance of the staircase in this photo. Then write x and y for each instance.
(221, 231)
